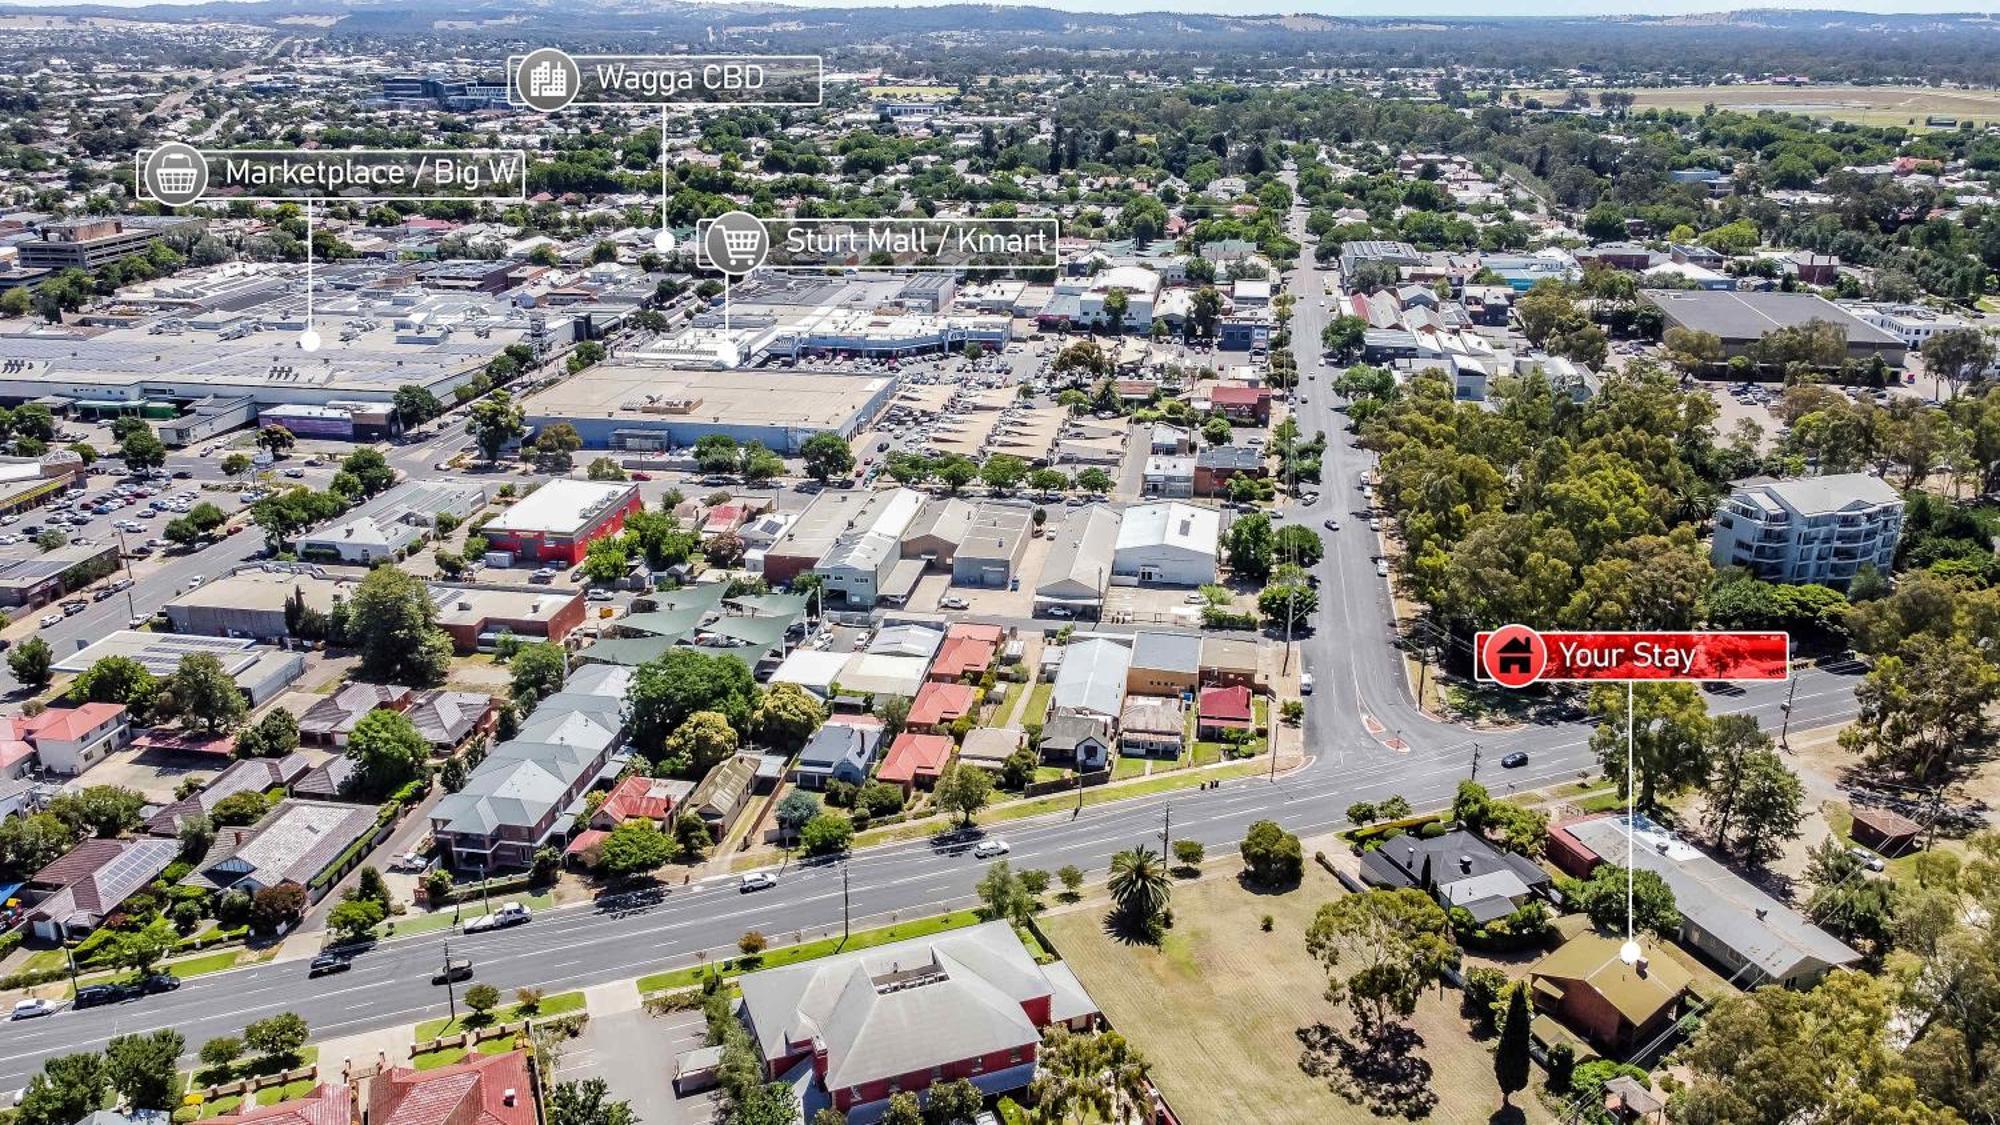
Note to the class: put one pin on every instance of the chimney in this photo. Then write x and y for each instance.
(1465, 865)
(509, 1097)
(1640, 965)
(1761, 912)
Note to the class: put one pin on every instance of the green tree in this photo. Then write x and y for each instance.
(786, 715)
(539, 670)
(66, 1090)
(827, 833)
(1003, 472)
(1002, 895)
(1510, 1059)
(1088, 1078)
(903, 1109)
(102, 810)
(493, 422)
(1958, 356)
(665, 692)
(1072, 880)
(1271, 855)
(634, 847)
(962, 790)
(798, 807)
(482, 999)
(955, 471)
(1250, 547)
(704, 741)
(1381, 949)
(957, 1102)
(388, 751)
(32, 662)
(1669, 735)
(236, 464)
(273, 736)
(1603, 898)
(415, 405)
(143, 450)
(275, 440)
(588, 1102)
(371, 469)
(221, 1052)
(392, 621)
(355, 919)
(826, 456)
(279, 1038)
(246, 806)
(31, 842)
(1753, 801)
(1139, 888)
(142, 949)
(116, 679)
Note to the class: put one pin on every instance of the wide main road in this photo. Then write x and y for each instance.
(1366, 741)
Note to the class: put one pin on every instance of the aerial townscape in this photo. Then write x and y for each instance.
(665, 563)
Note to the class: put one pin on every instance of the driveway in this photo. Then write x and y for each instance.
(634, 1054)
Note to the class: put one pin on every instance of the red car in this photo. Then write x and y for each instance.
(642, 476)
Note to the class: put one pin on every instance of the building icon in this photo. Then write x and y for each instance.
(548, 79)
(1517, 657)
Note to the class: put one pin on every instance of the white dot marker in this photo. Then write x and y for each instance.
(725, 352)
(309, 341)
(1629, 953)
(664, 242)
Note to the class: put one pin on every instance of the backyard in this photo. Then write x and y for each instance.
(1216, 1008)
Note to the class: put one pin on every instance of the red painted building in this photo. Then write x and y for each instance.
(899, 1018)
(557, 522)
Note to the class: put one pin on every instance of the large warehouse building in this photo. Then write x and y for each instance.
(1741, 319)
(647, 406)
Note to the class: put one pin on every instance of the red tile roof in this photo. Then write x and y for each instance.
(586, 840)
(940, 703)
(1231, 393)
(1225, 704)
(473, 1092)
(913, 755)
(328, 1104)
(962, 656)
(640, 798)
(67, 724)
(974, 631)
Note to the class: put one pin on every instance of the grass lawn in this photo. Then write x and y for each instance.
(1038, 704)
(1051, 773)
(1015, 810)
(793, 954)
(431, 1060)
(1863, 105)
(1206, 753)
(1216, 1007)
(1123, 767)
(191, 967)
(561, 1004)
(1607, 801)
(220, 1106)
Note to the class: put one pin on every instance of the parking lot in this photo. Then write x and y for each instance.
(634, 1054)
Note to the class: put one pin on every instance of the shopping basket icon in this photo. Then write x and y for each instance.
(175, 174)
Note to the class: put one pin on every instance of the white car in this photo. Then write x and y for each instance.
(1382, 568)
(33, 1006)
(192, 583)
(757, 881)
(990, 849)
(1868, 859)
(1305, 683)
(49, 619)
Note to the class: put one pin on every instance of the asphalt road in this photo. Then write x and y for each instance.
(1365, 739)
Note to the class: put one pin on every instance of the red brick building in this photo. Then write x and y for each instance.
(557, 522)
(1242, 404)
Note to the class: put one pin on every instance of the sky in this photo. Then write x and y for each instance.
(1375, 8)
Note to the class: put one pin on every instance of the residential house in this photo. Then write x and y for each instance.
(637, 797)
(968, 652)
(70, 740)
(1151, 727)
(1081, 742)
(1242, 405)
(1589, 987)
(839, 750)
(1460, 870)
(1885, 830)
(248, 775)
(939, 704)
(1753, 936)
(17, 754)
(72, 896)
(915, 761)
(1091, 679)
(971, 1004)
(721, 795)
(297, 842)
(329, 721)
(1225, 661)
(1164, 663)
(990, 747)
(447, 718)
(501, 1089)
(1223, 712)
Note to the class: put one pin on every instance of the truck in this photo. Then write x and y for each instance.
(508, 914)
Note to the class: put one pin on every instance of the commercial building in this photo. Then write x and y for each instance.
(1815, 529)
(1167, 543)
(991, 546)
(1740, 319)
(864, 563)
(392, 523)
(86, 244)
(479, 617)
(656, 406)
(558, 521)
(1078, 567)
(1091, 679)
(1358, 253)
(260, 671)
(1754, 938)
(33, 578)
(1164, 663)
(968, 1004)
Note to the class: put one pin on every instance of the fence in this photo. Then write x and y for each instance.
(1066, 784)
(249, 1086)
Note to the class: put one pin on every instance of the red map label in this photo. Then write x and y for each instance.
(1515, 656)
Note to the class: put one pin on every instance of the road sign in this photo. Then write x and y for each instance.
(1515, 656)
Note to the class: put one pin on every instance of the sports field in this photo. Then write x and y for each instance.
(1863, 105)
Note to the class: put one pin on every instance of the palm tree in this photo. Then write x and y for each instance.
(1139, 885)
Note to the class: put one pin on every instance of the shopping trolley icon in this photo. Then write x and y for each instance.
(175, 174)
(737, 243)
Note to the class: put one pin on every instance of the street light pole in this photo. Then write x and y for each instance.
(1475, 762)
(1785, 729)
(845, 920)
(131, 609)
(450, 989)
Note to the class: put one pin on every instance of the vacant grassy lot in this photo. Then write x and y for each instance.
(1863, 105)
(1216, 1008)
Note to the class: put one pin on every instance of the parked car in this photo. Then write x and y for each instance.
(1305, 683)
(97, 995)
(757, 881)
(413, 862)
(1868, 859)
(158, 982)
(1382, 568)
(1331, 525)
(50, 619)
(508, 914)
(329, 963)
(991, 849)
(1061, 611)
(33, 1007)
(1515, 760)
(599, 594)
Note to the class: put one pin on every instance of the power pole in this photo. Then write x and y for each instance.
(1786, 728)
(844, 920)
(450, 989)
(1475, 762)
(1167, 828)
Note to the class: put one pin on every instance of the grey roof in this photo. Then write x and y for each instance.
(599, 679)
(1080, 554)
(1454, 857)
(1167, 652)
(902, 1008)
(1091, 680)
(907, 640)
(253, 775)
(834, 743)
(444, 717)
(1064, 732)
(1743, 316)
(1759, 928)
(292, 843)
(1812, 496)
